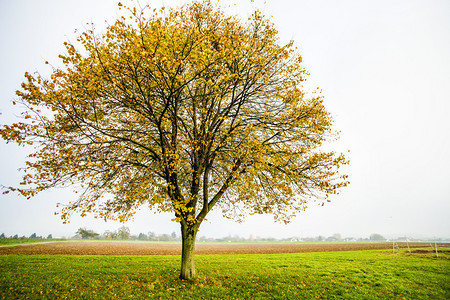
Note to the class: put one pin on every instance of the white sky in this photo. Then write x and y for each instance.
(383, 66)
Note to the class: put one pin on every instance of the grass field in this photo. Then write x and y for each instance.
(371, 274)
(26, 241)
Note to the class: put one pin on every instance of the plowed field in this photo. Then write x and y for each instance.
(142, 248)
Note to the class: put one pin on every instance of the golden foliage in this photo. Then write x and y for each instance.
(179, 110)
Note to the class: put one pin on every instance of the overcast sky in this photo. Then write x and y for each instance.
(383, 66)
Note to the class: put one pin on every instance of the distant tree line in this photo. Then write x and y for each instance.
(333, 238)
(123, 233)
(33, 236)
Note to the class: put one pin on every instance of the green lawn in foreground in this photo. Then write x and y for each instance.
(342, 275)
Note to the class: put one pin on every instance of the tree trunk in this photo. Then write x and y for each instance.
(188, 234)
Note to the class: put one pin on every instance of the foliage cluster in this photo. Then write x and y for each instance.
(180, 110)
(87, 233)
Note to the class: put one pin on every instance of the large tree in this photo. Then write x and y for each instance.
(180, 110)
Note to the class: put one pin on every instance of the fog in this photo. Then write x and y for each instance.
(384, 70)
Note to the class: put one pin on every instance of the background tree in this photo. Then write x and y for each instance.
(337, 237)
(183, 110)
(151, 236)
(110, 235)
(87, 233)
(164, 237)
(142, 237)
(123, 233)
(377, 237)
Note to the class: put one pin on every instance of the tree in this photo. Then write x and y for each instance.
(50, 236)
(337, 237)
(110, 235)
(142, 237)
(33, 236)
(123, 233)
(87, 233)
(164, 237)
(151, 236)
(377, 237)
(183, 110)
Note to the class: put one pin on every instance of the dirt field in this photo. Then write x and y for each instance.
(139, 248)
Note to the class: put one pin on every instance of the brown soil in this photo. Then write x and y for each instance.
(139, 248)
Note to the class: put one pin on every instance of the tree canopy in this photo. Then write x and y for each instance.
(87, 233)
(180, 110)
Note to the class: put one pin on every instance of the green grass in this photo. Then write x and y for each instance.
(26, 241)
(326, 275)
